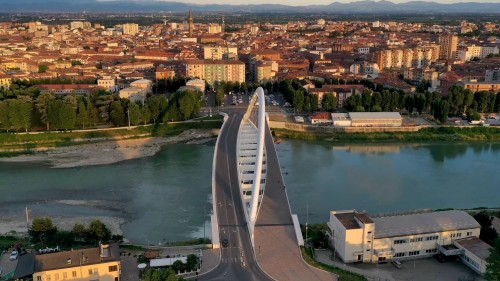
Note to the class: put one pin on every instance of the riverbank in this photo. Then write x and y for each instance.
(108, 152)
(422, 135)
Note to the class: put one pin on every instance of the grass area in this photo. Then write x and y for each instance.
(26, 143)
(425, 134)
(344, 275)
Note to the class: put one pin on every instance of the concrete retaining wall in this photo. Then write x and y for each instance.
(329, 129)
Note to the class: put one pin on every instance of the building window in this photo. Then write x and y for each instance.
(39, 278)
(400, 241)
(469, 233)
(414, 253)
(429, 238)
(418, 239)
(73, 274)
(48, 277)
(399, 255)
(113, 268)
(65, 275)
(90, 271)
(430, 251)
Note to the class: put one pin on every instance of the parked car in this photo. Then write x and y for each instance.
(225, 242)
(397, 264)
(13, 255)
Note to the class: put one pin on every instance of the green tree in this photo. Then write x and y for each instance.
(359, 108)
(483, 101)
(298, 100)
(42, 229)
(42, 68)
(314, 102)
(192, 262)
(134, 113)
(420, 103)
(145, 114)
(72, 101)
(83, 115)
(67, 117)
(178, 266)
(187, 102)
(366, 98)
(4, 115)
(42, 105)
(329, 102)
(376, 99)
(20, 113)
(376, 108)
(493, 263)
(455, 98)
(155, 106)
(117, 115)
(79, 232)
(468, 100)
(409, 103)
(98, 232)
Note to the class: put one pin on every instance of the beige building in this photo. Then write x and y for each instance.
(358, 237)
(216, 70)
(5, 81)
(101, 263)
(107, 82)
(219, 52)
(448, 46)
(214, 28)
(130, 28)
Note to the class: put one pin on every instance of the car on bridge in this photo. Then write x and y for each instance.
(225, 242)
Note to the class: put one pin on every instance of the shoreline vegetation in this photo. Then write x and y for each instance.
(423, 135)
(100, 147)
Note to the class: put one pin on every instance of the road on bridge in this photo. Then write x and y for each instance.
(237, 259)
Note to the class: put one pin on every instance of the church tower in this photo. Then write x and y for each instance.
(190, 20)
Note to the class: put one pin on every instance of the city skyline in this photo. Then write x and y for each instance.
(302, 3)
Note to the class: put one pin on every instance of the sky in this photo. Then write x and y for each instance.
(311, 2)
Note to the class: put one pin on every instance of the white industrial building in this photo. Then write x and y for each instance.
(367, 119)
(358, 237)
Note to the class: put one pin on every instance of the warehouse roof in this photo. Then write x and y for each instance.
(374, 115)
(414, 224)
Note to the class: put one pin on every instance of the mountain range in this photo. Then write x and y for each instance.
(363, 6)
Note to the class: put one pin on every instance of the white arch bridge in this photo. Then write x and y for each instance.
(252, 222)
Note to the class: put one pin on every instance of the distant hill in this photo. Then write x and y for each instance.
(364, 6)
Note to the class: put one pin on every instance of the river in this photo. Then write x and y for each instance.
(167, 197)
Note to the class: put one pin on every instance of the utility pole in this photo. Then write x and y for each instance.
(128, 117)
(27, 219)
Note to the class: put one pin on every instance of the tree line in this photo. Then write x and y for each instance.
(458, 102)
(43, 231)
(74, 111)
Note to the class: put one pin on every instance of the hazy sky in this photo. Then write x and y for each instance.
(311, 2)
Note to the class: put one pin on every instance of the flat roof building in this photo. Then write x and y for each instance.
(358, 237)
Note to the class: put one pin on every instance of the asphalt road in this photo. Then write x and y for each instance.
(237, 260)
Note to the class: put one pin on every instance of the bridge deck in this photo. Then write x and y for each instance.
(276, 245)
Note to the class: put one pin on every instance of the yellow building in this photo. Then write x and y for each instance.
(214, 28)
(100, 263)
(130, 28)
(216, 70)
(5, 81)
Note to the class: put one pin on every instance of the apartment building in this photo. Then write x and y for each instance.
(447, 46)
(219, 52)
(216, 70)
(358, 237)
(5, 81)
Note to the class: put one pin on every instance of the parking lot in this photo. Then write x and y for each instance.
(414, 270)
(7, 265)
